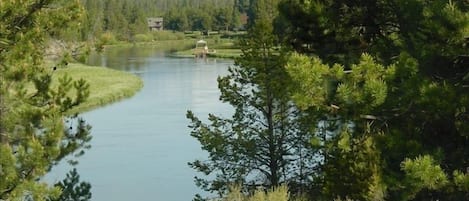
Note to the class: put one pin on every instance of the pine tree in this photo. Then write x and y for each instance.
(73, 189)
(338, 102)
(414, 107)
(263, 144)
(33, 135)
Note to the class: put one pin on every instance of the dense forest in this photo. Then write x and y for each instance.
(125, 18)
(333, 100)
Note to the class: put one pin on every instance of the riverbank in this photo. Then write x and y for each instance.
(218, 48)
(219, 53)
(169, 45)
(184, 48)
(133, 135)
(106, 85)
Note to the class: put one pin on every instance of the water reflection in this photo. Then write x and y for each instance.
(124, 58)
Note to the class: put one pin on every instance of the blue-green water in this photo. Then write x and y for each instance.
(141, 145)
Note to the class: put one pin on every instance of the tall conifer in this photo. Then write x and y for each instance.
(413, 109)
(33, 134)
(263, 143)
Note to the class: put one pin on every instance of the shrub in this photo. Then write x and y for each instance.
(143, 37)
(106, 38)
(167, 35)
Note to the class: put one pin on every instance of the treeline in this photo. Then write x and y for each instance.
(354, 100)
(344, 100)
(125, 18)
(35, 131)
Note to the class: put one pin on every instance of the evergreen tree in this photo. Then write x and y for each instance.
(92, 24)
(338, 102)
(73, 189)
(32, 111)
(263, 144)
(125, 18)
(177, 19)
(414, 107)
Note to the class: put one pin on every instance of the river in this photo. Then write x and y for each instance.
(141, 145)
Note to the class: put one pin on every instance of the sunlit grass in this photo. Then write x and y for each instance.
(220, 52)
(279, 193)
(163, 45)
(106, 85)
(227, 53)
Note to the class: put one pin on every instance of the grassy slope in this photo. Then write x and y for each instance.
(106, 85)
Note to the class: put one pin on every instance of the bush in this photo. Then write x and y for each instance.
(73, 189)
(106, 38)
(143, 38)
(167, 35)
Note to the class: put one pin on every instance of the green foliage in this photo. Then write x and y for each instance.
(351, 167)
(311, 77)
(73, 189)
(105, 39)
(396, 83)
(279, 193)
(126, 18)
(365, 87)
(32, 110)
(326, 87)
(167, 35)
(422, 172)
(264, 143)
(142, 38)
(461, 180)
(315, 26)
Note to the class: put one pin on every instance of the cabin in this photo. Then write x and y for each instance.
(155, 24)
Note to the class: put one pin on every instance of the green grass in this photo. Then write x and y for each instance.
(225, 48)
(106, 85)
(168, 45)
(220, 53)
(280, 193)
(227, 53)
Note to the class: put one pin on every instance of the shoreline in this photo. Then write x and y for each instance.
(184, 48)
(107, 85)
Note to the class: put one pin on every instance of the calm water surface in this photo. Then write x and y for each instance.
(141, 145)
